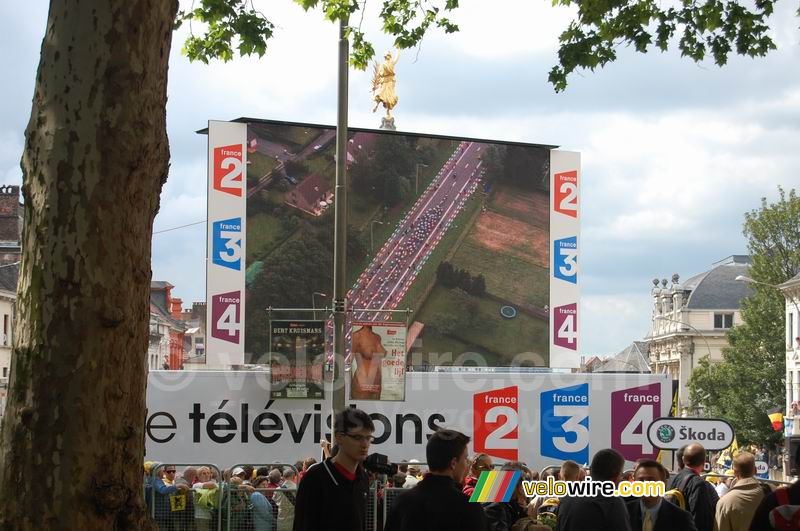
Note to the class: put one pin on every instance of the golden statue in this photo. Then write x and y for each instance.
(383, 87)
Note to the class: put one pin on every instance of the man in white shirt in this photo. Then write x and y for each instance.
(411, 475)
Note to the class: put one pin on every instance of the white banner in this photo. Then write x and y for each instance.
(225, 251)
(565, 172)
(541, 419)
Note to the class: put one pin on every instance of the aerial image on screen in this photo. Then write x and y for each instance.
(456, 230)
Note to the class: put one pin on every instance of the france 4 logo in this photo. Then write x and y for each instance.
(565, 259)
(495, 423)
(227, 243)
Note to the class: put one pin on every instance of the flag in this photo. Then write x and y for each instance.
(727, 455)
(495, 486)
(776, 418)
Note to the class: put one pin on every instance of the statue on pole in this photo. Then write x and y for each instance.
(383, 88)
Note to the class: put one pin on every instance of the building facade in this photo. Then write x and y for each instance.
(691, 319)
(791, 291)
(167, 330)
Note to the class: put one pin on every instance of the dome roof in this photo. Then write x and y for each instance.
(717, 288)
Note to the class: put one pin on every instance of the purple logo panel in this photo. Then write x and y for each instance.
(632, 411)
(226, 316)
(565, 326)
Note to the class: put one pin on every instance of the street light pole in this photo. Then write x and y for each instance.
(313, 304)
(340, 227)
(742, 278)
(416, 180)
(371, 243)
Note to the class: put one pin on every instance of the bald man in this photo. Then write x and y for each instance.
(369, 352)
(701, 498)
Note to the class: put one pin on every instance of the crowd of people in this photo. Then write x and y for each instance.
(334, 493)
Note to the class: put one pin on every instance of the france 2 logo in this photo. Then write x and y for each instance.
(565, 259)
(229, 169)
(566, 193)
(495, 423)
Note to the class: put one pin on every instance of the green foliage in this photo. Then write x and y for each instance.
(387, 176)
(451, 277)
(750, 379)
(712, 28)
(226, 21)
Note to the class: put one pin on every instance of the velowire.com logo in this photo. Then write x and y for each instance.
(665, 433)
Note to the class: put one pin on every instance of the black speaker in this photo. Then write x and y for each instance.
(793, 453)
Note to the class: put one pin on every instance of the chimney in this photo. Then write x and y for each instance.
(176, 307)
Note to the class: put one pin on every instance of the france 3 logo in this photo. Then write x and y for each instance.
(565, 259)
(495, 423)
(227, 243)
(565, 423)
(229, 169)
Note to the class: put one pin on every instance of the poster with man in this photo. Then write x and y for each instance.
(297, 355)
(378, 370)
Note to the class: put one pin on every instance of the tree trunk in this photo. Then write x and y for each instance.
(96, 156)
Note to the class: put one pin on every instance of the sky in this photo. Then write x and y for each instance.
(673, 152)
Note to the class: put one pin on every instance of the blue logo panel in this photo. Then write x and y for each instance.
(227, 243)
(565, 259)
(565, 423)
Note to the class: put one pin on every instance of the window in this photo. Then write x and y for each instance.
(723, 320)
(5, 372)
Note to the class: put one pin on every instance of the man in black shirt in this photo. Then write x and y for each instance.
(333, 494)
(437, 503)
(701, 498)
(598, 513)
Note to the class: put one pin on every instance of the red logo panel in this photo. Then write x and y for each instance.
(495, 423)
(229, 169)
(566, 193)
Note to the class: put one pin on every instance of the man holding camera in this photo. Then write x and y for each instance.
(333, 493)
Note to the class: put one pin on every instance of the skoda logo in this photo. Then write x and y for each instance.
(666, 433)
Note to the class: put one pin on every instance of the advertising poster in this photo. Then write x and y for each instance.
(296, 359)
(541, 419)
(378, 370)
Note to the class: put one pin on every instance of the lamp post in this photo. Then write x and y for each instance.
(742, 278)
(313, 304)
(416, 180)
(371, 242)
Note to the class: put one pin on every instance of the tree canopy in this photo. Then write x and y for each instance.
(713, 28)
(750, 379)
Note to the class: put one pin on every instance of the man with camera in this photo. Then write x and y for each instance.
(333, 493)
(437, 502)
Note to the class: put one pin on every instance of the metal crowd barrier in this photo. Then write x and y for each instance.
(182, 509)
(761, 480)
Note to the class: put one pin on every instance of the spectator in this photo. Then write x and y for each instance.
(724, 483)
(262, 509)
(239, 472)
(501, 516)
(701, 498)
(570, 471)
(206, 499)
(332, 495)
(286, 499)
(168, 496)
(411, 475)
(308, 462)
(735, 510)
(654, 513)
(480, 463)
(784, 499)
(262, 471)
(437, 503)
(183, 513)
(598, 513)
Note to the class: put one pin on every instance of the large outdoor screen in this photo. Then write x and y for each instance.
(478, 238)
